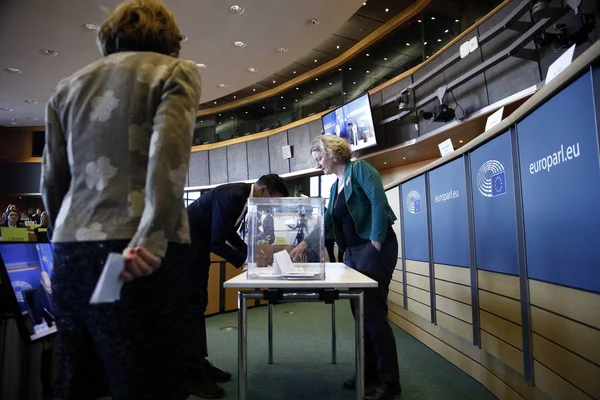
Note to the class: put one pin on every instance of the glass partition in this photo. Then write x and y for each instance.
(406, 47)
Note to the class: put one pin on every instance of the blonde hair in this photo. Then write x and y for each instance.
(140, 25)
(334, 147)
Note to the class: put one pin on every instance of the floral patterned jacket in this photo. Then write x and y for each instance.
(118, 137)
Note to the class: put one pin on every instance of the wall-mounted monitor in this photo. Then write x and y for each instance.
(352, 121)
(25, 274)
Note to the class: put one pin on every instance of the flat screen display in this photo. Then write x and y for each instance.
(353, 122)
(26, 274)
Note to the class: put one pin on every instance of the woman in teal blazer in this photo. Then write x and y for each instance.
(361, 219)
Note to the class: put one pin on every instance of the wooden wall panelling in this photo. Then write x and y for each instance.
(453, 274)
(455, 325)
(501, 306)
(552, 383)
(581, 373)
(214, 288)
(575, 304)
(420, 295)
(417, 267)
(454, 309)
(508, 354)
(419, 308)
(453, 291)
(506, 285)
(578, 338)
(507, 331)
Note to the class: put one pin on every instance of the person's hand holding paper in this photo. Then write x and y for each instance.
(139, 262)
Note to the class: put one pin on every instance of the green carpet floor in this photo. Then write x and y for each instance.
(302, 366)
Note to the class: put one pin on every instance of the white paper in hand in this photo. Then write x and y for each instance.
(108, 288)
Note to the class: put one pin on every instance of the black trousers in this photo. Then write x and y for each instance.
(133, 346)
(381, 356)
(198, 267)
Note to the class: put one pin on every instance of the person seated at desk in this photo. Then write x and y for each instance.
(361, 219)
(43, 231)
(13, 219)
(214, 220)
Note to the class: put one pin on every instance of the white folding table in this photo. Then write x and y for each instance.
(341, 282)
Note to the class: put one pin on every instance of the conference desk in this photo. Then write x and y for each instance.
(341, 282)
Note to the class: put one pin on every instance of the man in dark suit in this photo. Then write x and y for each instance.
(215, 218)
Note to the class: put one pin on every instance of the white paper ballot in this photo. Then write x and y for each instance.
(282, 262)
(108, 288)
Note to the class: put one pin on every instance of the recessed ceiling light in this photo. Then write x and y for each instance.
(344, 93)
(427, 57)
(31, 101)
(384, 58)
(222, 85)
(456, 20)
(311, 92)
(365, 3)
(317, 79)
(408, 44)
(282, 97)
(254, 90)
(387, 9)
(215, 102)
(439, 40)
(339, 69)
(296, 100)
(274, 82)
(313, 21)
(264, 107)
(236, 9)
(219, 115)
(404, 158)
(367, 54)
(294, 72)
(184, 38)
(350, 69)
(282, 50)
(316, 60)
(14, 70)
(200, 65)
(337, 47)
(5, 109)
(284, 108)
(354, 83)
(235, 97)
(48, 52)
(433, 18)
(239, 43)
(425, 43)
(368, 71)
(297, 88)
(460, 141)
(252, 69)
(385, 163)
(231, 117)
(246, 112)
(446, 31)
(419, 21)
(91, 27)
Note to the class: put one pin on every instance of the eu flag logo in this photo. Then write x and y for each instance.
(498, 184)
(417, 205)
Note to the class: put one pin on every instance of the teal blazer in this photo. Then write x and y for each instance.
(367, 205)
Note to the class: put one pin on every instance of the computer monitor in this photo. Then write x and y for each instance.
(25, 273)
(352, 121)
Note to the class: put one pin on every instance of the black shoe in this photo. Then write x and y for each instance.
(350, 384)
(205, 388)
(383, 391)
(216, 374)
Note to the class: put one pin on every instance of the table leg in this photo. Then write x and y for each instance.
(333, 336)
(360, 346)
(242, 346)
(270, 333)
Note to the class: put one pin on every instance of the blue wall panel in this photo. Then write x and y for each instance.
(560, 173)
(414, 216)
(449, 223)
(494, 206)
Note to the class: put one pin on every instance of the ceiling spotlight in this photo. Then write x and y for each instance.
(385, 163)
(337, 47)
(460, 141)
(282, 97)
(222, 85)
(236, 9)
(284, 108)
(404, 158)
(365, 3)
(387, 9)
(456, 20)
(339, 69)
(425, 43)
(200, 65)
(91, 27)
(446, 31)
(384, 58)
(5, 109)
(294, 72)
(235, 97)
(282, 50)
(48, 52)
(264, 107)
(296, 100)
(239, 43)
(215, 102)
(31, 101)
(350, 69)
(313, 21)
(419, 21)
(317, 79)
(330, 83)
(14, 70)
(408, 44)
(252, 69)
(297, 88)
(254, 90)
(316, 61)
(184, 38)
(439, 40)
(367, 54)
(368, 71)
(354, 83)
(311, 92)
(427, 57)
(433, 18)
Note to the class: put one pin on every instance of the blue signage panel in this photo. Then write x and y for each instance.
(494, 206)
(414, 216)
(449, 223)
(560, 173)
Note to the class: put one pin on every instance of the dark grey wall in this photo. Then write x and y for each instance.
(20, 178)
(199, 171)
(217, 159)
(237, 162)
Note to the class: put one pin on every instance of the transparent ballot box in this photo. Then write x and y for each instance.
(277, 225)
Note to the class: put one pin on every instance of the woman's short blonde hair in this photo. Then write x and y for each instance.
(334, 147)
(140, 25)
